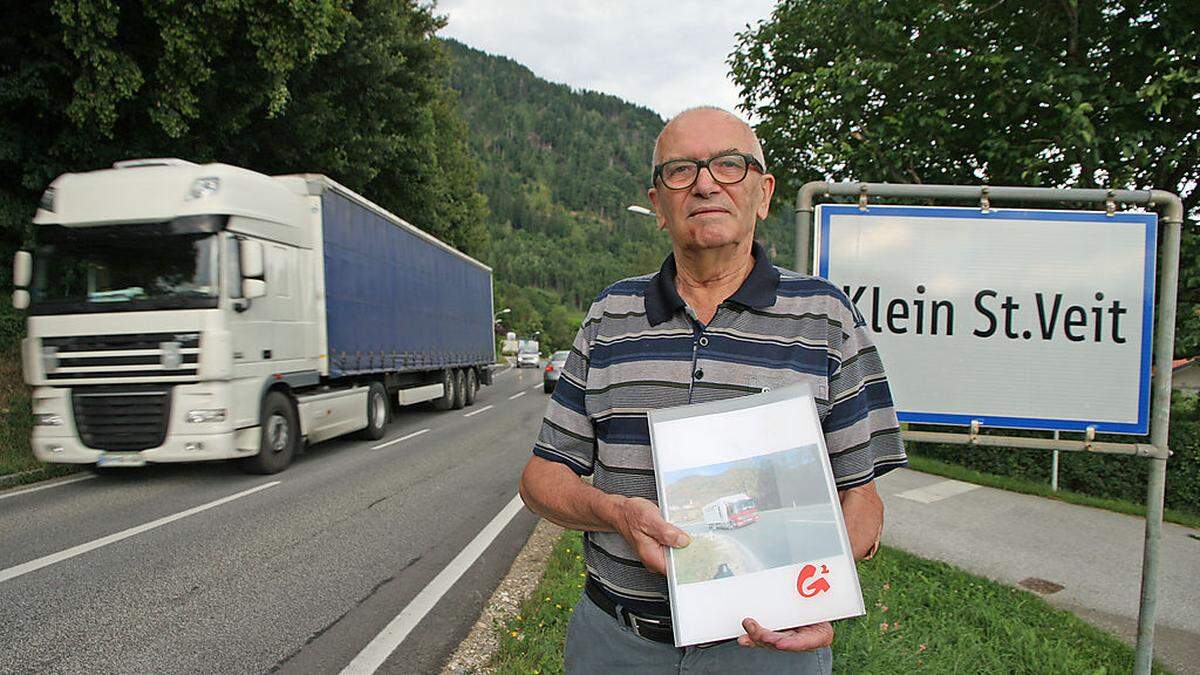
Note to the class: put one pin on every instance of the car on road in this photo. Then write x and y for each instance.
(553, 370)
(528, 357)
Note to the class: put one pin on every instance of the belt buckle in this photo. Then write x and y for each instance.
(634, 622)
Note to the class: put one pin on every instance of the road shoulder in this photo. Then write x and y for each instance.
(474, 653)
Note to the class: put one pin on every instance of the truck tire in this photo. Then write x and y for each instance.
(446, 402)
(280, 436)
(460, 389)
(378, 413)
(472, 386)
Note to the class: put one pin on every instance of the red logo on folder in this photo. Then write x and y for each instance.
(809, 584)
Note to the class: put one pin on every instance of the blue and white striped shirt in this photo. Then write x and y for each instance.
(641, 348)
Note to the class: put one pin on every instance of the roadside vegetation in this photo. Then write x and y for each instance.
(1113, 482)
(921, 616)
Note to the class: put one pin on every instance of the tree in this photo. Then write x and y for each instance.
(1023, 92)
(351, 88)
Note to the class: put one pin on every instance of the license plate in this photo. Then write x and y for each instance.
(120, 459)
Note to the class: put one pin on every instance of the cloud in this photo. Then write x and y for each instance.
(665, 56)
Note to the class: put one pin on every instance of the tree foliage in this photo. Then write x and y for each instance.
(1069, 94)
(351, 88)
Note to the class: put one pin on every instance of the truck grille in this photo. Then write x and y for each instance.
(129, 417)
(134, 355)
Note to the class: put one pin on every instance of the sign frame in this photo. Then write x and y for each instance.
(1149, 221)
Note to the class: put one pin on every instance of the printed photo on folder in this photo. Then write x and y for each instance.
(749, 479)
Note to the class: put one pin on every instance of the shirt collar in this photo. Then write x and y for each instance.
(757, 291)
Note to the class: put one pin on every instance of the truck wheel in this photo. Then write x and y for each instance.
(446, 402)
(280, 436)
(472, 386)
(460, 389)
(377, 413)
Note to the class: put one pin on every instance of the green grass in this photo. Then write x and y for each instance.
(16, 422)
(922, 616)
(940, 468)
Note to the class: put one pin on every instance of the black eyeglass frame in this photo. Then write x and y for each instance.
(751, 161)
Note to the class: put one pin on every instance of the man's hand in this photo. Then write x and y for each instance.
(640, 523)
(802, 639)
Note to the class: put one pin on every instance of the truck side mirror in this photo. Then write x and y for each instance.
(251, 254)
(253, 288)
(20, 299)
(22, 269)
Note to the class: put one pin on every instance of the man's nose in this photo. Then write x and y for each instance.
(705, 184)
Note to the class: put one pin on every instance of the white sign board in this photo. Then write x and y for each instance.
(1016, 318)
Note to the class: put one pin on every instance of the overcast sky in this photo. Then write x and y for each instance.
(667, 55)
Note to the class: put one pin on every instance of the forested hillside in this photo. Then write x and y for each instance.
(559, 167)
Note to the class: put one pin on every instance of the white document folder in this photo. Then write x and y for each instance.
(749, 479)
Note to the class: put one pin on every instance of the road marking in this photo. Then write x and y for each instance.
(938, 491)
(45, 561)
(379, 649)
(68, 481)
(476, 412)
(502, 372)
(402, 438)
(538, 387)
(519, 394)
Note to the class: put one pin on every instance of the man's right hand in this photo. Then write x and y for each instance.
(642, 525)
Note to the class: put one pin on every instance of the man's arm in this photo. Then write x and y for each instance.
(863, 510)
(554, 492)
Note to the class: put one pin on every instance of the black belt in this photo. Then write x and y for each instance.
(656, 628)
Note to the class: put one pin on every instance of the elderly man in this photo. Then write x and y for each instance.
(718, 320)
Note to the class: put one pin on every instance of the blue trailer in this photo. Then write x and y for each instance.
(225, 314)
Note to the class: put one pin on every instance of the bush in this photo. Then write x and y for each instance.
(1113, 476)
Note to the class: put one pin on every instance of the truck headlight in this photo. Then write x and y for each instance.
(47, 420)
(204, 416)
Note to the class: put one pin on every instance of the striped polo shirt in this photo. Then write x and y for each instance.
(641, 347)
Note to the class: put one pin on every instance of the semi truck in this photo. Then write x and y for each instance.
(730, 512)
(180, 312)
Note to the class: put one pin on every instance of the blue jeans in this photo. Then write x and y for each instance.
(597, 643)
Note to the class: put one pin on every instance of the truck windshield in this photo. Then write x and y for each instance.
(741, 505)
(120, 268)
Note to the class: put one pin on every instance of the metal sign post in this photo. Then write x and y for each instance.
(1171, 219)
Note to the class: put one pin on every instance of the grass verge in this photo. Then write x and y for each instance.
(17, 463)
(922, 616)
(940, 468)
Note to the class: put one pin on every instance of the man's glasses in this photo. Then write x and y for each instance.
(680, 174)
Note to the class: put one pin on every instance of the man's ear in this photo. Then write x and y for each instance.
(652, 193)
(768, 189)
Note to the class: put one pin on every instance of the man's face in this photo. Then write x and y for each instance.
(709, 214)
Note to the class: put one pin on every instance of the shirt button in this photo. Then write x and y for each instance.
(699, 373)
(703, 342)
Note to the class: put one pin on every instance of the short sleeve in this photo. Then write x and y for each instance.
(861, 430)
(567, 435)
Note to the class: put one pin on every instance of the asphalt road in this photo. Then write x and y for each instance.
(207, 569)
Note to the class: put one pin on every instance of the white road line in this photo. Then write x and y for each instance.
(519, 394)
(68, 481)
(937, 491)
(476, 412)
(45, 561)
(374, 654)
(538, 387)
(397, 440)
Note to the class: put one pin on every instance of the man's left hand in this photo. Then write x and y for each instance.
(802, 639)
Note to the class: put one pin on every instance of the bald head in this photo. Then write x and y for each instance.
(681, 124)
